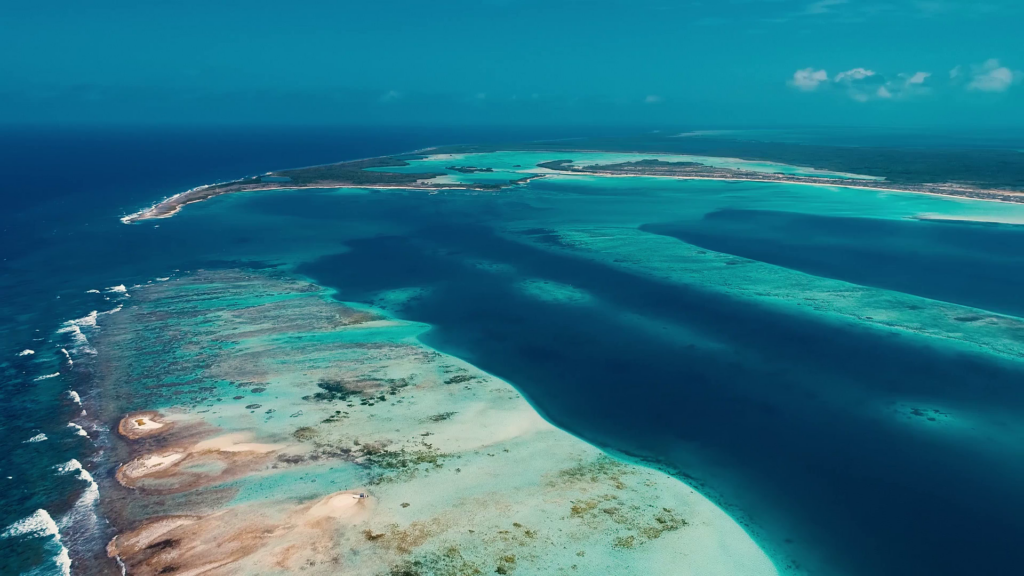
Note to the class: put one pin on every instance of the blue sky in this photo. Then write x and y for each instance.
(921, 63)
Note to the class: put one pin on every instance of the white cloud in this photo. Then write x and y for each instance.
(653, 99)
(956, 72)
(992, 77)
(862, 84)
(865, 85)
(809, 79)
(854, 75)
(918, 78)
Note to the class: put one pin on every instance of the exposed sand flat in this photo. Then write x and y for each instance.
(235, 443)
(132, 542)
(348, 507)
(462, 476)
(147, 465)
(181, 467)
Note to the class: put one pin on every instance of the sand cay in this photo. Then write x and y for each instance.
(319, 437)
(142, 425)
(177, 467)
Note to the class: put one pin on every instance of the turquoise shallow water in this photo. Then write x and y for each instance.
(833, 404)
(511, 165)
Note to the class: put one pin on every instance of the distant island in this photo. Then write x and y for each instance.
(351, 174)
(697, 171)
(374, 173)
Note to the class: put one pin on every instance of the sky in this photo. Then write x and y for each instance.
(711, 63)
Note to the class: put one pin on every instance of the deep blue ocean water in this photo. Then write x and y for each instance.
(760, 427)
(974, 264)
(773, 425)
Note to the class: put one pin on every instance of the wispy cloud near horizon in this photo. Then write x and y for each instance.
(808, 79)
(991, 76)
(864, 84)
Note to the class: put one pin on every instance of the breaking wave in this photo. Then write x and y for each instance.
(40, 524)
(80, 343)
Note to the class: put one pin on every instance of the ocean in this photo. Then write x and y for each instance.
(64, 249)
(837, 373)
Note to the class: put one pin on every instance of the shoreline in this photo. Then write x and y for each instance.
(172, 205)
(802, 183)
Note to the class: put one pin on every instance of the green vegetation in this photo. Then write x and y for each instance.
(982, 167)
(355, 173)
(556, 165)
(647, 165)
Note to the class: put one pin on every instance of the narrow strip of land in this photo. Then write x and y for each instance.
(373, 173)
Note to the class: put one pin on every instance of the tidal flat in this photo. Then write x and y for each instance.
(264, 426)
(833, 367)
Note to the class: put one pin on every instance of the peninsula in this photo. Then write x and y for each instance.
(366, 173)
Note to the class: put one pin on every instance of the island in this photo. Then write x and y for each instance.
(350, 174)
(401, 172)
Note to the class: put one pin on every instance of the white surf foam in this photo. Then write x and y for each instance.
(92, 491)
(120, 289)
(26, 352)
(36, 438)
(40, 524)
(78, 430)
(87, 321)
(68, 356)
(47, 376)
(74, 397)
(93, 291)
(77, 337)
(74, 329)
(82, 519)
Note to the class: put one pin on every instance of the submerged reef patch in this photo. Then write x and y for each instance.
(366, 453)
